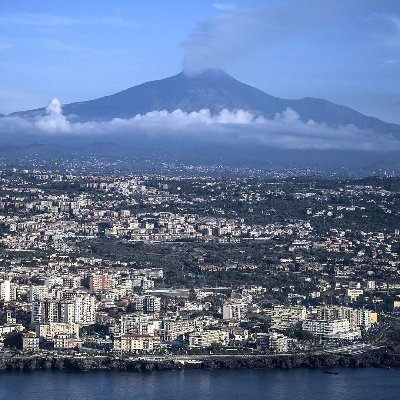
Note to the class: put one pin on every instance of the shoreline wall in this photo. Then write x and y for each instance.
(90, 363)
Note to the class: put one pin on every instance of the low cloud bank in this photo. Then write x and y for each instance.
(284, 130)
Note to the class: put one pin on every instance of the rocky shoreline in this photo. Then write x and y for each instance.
(382, 359)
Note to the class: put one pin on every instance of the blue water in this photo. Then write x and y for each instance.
(354, 384)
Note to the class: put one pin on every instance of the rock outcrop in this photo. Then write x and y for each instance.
(380, 359)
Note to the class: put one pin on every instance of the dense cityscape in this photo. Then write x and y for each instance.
(200, 200)
(145, 265)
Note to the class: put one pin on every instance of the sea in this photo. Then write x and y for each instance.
(295, 384)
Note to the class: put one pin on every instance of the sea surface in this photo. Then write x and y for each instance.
(297, 384)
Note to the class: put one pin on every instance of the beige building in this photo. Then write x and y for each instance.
(132, 343)
(65, 341)
(53, 329)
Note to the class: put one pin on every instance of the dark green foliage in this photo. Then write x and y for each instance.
(13, 341)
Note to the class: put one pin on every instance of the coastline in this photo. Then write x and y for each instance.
(381, 359)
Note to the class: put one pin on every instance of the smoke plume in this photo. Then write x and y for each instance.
(54, 121)
(237, 33)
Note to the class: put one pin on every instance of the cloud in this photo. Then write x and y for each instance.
(390, 62)
(225, 6)
(54, 121)
(58, 45)
(14, 125)
(5, 44)
(395, 20)
(43, 19)
(236, 33)
(284, 130)
(393, 38)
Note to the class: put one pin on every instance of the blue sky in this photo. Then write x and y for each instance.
(345, 51)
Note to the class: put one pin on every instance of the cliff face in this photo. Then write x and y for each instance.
(39, 362)
(306, 361)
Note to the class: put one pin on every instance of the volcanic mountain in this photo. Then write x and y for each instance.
(214, 90)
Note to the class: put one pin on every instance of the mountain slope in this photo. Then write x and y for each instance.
(214, 90)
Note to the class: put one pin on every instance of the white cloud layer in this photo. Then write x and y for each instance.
(284, 130)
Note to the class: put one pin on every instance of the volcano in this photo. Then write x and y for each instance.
(214, 90)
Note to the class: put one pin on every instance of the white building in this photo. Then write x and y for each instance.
(338, 329)
(278, 342)
(286, 317)
(233, 310)
(139, 325)
(359, 318)
(207, 338)
(80, 310)
(38, 293)
(5, 290)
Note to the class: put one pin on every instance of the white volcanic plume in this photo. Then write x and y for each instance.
(54, 121)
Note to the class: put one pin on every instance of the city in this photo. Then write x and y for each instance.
(200, 200)
(146, 265)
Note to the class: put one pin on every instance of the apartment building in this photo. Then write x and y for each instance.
(132, 343)
(207, 338)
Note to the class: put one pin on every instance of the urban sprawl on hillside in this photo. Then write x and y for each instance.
(150, 264)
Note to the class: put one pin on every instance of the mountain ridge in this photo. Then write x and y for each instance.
(214, 90)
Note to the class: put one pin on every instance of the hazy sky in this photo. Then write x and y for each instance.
(345, 51)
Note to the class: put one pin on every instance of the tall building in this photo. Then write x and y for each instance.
(80, 310)
(233, 310)
(146, 304)
(38, 292)
(45, 311)
(5, 290)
